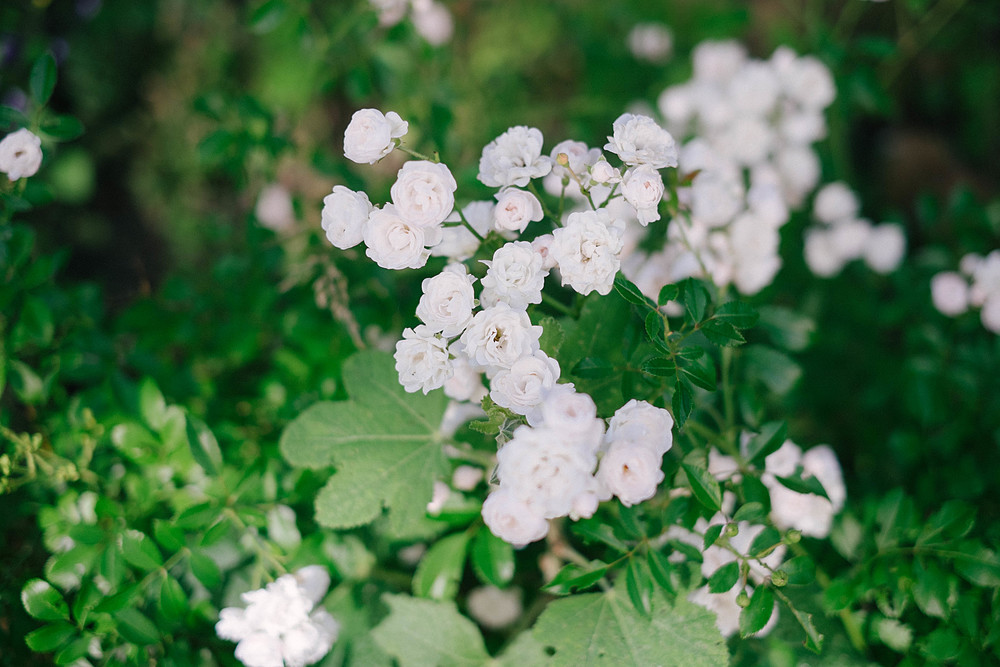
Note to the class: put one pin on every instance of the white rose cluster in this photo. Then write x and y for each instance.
(808, 513)
(975, 284)
(430, 19)
(20, 154)
(841, 236)
(281, 626)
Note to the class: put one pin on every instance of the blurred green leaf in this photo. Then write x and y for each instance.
(441, 568)
(492, 558)
(755, 616)
(43, 78)
(705, 487)
(44, 602)
(139, 550)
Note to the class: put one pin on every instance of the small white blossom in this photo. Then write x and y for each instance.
(631, 471)
(458, 243)
(523, 386)
(466, 477)
(438, 498)
(467, 382)
(572, 414)
(652, 42)
(639, 140)
(394, 243)
(274, 208)
(422, 360)
(495, 608)
(990, 314)
(447, 300)
(950, 293)
(835, 202)
(885, 249)
(20, 154)
(424, 193)
(515, 209)
(642, 187)
(498, 336)
(586, 250)
(515, 276)
(370, 134)
(514, 158)
(344, 217)
(432, 21)
(513, 520)
(639, 421)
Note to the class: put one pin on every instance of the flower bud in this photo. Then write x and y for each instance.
(732, 530)
(793, 537)
(562, 159)
(743, 600)
(779, 578)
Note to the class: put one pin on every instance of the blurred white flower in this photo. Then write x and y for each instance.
(20, 154)
(369, 136)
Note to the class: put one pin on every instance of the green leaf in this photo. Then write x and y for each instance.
(44, 602)
(682, 401)
(656, 329)
(424, 632)
(48, 638)
(139, 551)
(136, 627)
(77, 649)
(268, 16)
(722, 333)
(661, 568)
(173, 602)
(62, 128)
(639, 585)
(43, 78)
(776, 370)
(772, 435)
(737, 313)
(492, 558)
(667, 293)
(204, 446)
(765, 542)
(441, 568)
(205, 570)
(631, 293)
(756, 615)
(695, 297)
(712, 534)
(591, 368)
(752, 512)
(800, 570)
(723, 579)
(169, 537)
(976, 564)
(552, 336)
(787, 328)
(384, 443)
(11, 116)
(595, 531)
(701, 372)
(658, 367)
(604, 628)
(953, 521)
(573, 577)
(152, 405)
(705, 487)
(803, 485)
(26, 383)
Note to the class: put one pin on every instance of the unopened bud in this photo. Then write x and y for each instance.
(562, 159)
(793, 536)
(732, 530)
(743, 600)
(779, 578)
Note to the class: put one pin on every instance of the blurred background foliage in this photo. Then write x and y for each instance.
(149, 261)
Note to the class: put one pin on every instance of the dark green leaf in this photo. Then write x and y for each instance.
(170, 537)
(492, 558)
(722, 333)
(738, 313)
(591, 368)
(173, 602)
(44, 602)
(787, 328)
(702, 372)
(661, 568)
(268, 16)
(43, 78)
(631, 293)
(712, 534)
(772, 435)
(639, 586)
(594, 531)
(800, 570)
(776, 370)
(705, 487)
(136, 627)
(758, 612)
(953, 521)
(667, 293)
(752, 512)
(803, 485)
(656, 329)
(205, 570)
(573, 577)
(77, 649)
(682, 401)
(11, 116)
(695, 297)
(723, 579)
(204, 446)
(658, 367)
(765, 542)
(62, 128)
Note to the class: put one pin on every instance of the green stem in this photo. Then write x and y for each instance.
(472, 229)
(551, 302)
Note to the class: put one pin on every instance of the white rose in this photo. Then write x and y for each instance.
(274, 208)
(447, 300)
(990, 313)
(950, 293)
(821, 255)
(586, 250)
(799, 169)
(498, 336)
(524, 386)
(652, 42)
(715, 198)
(886, 247)
(641, 422)
(835, 202)
(424, 193)
(603, 173)
(572, 414)
(466, 477)
(20, 154)
(515, 209)
(639, 140)
(541, 245)
(642, 187)
(809, 82)
(394, 243)
(344, 217)
(422, 360)
(515, 276)
(631, 471)
(718, 60)
(514, 158)
(369, 136)
(432, 21)
(512, 520)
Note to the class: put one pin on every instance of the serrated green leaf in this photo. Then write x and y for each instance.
(639, 586)
(701, 372)
(724, 578)
(756, 615)
(722, 333)
(658, 367)
(44, 602)
(421, 632)
(492, 558)
(772, 435)
(631, 293)
(705, 487)
(204, 446)
(441, 567)
(656, 329)
(43, 78)
(667, 293)
(682, 401)
(48, 638)
(695, 297)
(383, 441)
(552, 336)
(139, 551)
(604, 628)
(752, 512)
(592, 368)
(738, 313)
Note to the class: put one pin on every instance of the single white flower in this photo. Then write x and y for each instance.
(652, 42)
(466, 477)
(642, 187)
(523, 386)
(424, 193)
(498, 336)
(394, 243)
(639, 421)
(447, 300)
(716, 198)
(274, 208)
(821, 255)
(495, 608)
(639, 140)
(573, 415)
(432, 21)
(370, 134)
(990, 314)
(344, 217)
(438, 498)
(886, 247)
(631, 471)
(950, 293)
(718, 60)
(515, 209)
(602, 173)
(515, 276)
(422, 360)
(514, 158)
(513, 520)
(20, 154)
(835, 202)
(467, 382)
(586, 250)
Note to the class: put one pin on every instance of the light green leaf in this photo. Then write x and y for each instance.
(152, 405)
(204, 446)
(575, 577)
(139, 550)
(49, 637)
(492, 558)
(639, 585)
(440, 569)
(424, 632)
(173, 602)
(44, 602)
(605, 629)
(384, 443)
(705, 487)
